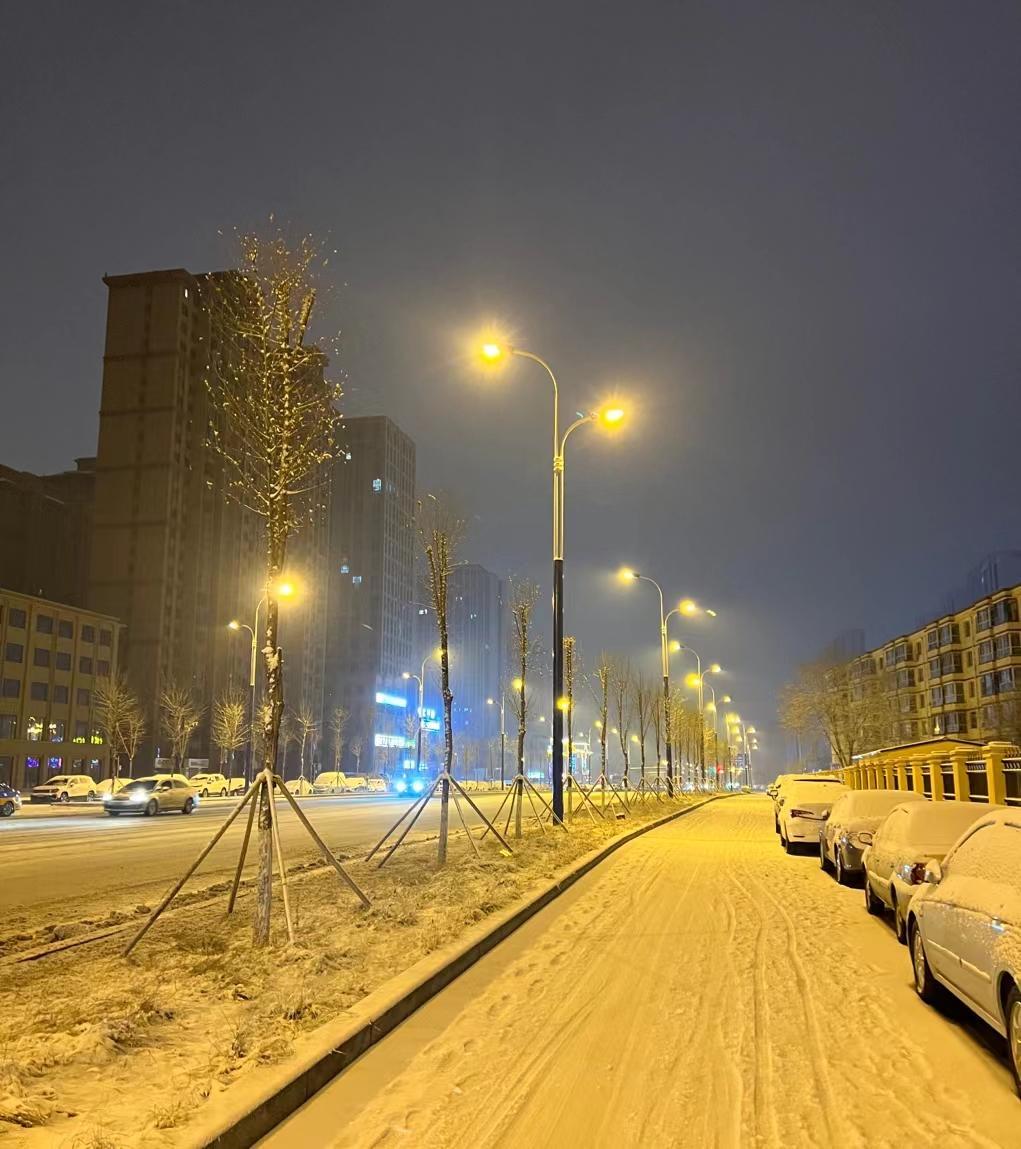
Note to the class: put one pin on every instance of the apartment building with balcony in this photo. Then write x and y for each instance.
(51, 656)
(959, 675)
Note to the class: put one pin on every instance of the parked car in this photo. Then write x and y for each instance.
(850, 825)
(210, 784)
(10, 801)
(964, 922)
(803, 805)
(356, 782)
(236, 784)
(329, 782)
(786, 780)
(64, 787)
(376, 786)
(152, 796)
(905, 840)
(299, 786)
(111, 785)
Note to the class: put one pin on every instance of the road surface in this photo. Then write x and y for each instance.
(69, 856)
(698, 989)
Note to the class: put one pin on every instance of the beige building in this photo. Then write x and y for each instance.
(957, 676)
(51, 656)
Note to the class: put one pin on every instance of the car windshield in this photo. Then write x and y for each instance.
(934, 827)
(865, 805)
(58, 781)
(142, 784)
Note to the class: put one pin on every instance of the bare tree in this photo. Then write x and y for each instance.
(357, 748)
(307, 728)
(338, 728)
(644, 696)
(180, 715)
(623, 709)
(229, 726)
(133, 731)
(120, 719)
(604, 679)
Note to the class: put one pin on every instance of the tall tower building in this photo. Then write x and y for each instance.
(170, 556)
(478, 640)
(371, 562)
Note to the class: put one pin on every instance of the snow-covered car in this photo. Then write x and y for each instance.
(850, 825)
(10, 801)
(64, 787)
(153, 795)
(236, 784)
(300, 787)
(906, 840)
(376, 786)
(803, 806)
(210, 785)
(329, 782)
(111, 785)
(356, 782)
(964, 924)
(786, 780)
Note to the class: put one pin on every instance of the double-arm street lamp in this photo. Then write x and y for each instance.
(420, 679)
(503, 731)
(283, 590)
(494, 352)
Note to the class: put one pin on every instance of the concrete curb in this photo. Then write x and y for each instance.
(252, 1109)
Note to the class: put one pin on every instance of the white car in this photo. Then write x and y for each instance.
(783, 781)
(850, 825)
(299, 786)
(377, 786)
(112, 785)
(236, 784)
(905, 840)
(330, 782)
(64, 787)
(964, 926)
(803, 805)
(210, 785)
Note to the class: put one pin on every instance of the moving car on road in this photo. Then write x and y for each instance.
(210, 784)
(803, 806)
(10, 800)
(964, 924)
(64, 787)
(153, 795)
(850, 825)
(905, 840)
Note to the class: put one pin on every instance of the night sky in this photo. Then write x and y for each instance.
(787, 233)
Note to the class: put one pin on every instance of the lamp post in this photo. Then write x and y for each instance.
(664, 658)
(503, 733)
(420, 679)
(494, 352)
(284, 590)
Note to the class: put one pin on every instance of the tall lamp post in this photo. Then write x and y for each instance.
(664, 659)
(503, 732)
(494, 352)
(284, 590)
(420, 679)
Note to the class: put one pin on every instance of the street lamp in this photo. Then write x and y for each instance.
(664, 658)
(420, 679)
(494, 352)
(283, 590)
(503, 732)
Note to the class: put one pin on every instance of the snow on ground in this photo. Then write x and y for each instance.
(701, 988)
(99, 1052)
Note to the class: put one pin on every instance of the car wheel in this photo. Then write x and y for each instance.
(1013, 1019)
(6, 810)
(824, 862)
(151, 808)
(925, 984)
(900, 926)
(223, 793)
(64, 797)
(873, 904)
(114, 813)
(787, 844)
(838, 867)
(204, 793)
(189, 805)
(776, 825)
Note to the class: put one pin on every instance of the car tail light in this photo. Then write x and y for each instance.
(916, 875)
(796, 813)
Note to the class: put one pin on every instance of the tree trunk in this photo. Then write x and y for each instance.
(448, 735)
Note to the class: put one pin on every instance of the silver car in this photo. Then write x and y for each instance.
(849, 827)
(151, 796)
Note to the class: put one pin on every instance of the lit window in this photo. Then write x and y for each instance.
(356, 580)
(377, 484)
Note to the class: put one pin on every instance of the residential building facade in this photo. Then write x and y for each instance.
(370, 589)
(51, 657)
(959, 675)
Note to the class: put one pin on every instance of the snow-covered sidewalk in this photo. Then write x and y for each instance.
(698, 989)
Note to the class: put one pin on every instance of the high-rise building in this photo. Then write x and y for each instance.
(170, 556)
(47, 521)
(371, 567)
(478, 642)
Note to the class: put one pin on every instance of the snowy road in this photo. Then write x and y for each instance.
(698, 989)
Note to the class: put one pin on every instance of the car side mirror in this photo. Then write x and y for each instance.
(824, 815)
(933, 873)
(865, 837)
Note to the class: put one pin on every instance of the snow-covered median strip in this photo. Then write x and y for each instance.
(222, 1028)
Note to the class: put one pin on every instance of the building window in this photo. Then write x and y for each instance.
(15, 652)
(983, 618)
(57, 731)
(377, 485)
(936, 696)
(8, 726)
(949, 633)
(44, 623)
(1008, 645)
(934, 668)
(105, 638)
(972, 720)
(1005, 681)
(356, 580)
(31, 762)
(16, 618)
(967, 630)
(83, 697)
(81, 731)
(985, 651)
(33, 730)
(11, 688)
(1004, 611)
(987, 684)
(63, 660)
(951, 663)
(932, 639)
(84, 665)
(65, 628)
(102, 668)
(88, 634)
(40, 656)
(60, 694)
(39, 692)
